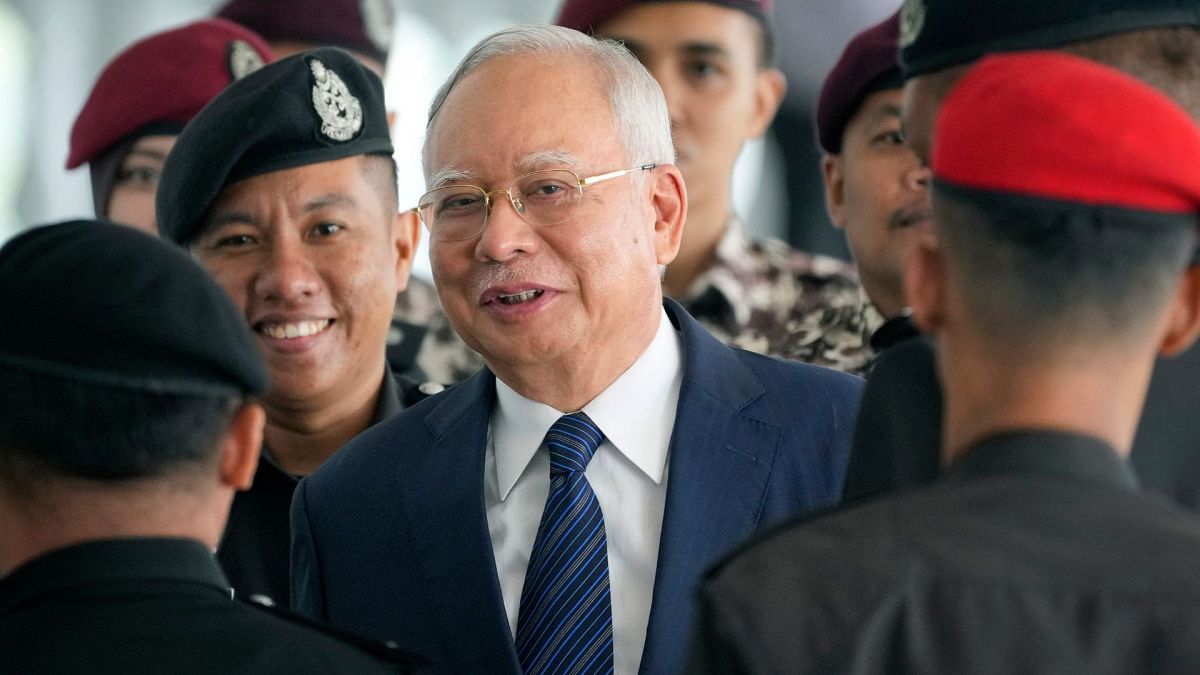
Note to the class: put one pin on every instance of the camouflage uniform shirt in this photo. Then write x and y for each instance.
(764, 296)
(440, 356)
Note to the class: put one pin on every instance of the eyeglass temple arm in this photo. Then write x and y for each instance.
(614, 174)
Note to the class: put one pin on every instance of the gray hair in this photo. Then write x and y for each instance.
(639, 110)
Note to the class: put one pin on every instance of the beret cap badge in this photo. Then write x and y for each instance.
(340, 111)
(243, 59)
(912, 20)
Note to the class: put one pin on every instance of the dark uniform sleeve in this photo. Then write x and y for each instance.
(720, 645)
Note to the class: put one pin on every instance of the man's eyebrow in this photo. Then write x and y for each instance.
(889, 111)
(230, 218)
(703, 48)
(325, 201)
(148, 152)
(545, 159)
(450, 176)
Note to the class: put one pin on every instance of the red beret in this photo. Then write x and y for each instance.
(1055, 126)
(363, 26)
(868, 65)
(165, 78)
(586, 15)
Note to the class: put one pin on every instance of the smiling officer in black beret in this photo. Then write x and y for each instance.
(284, 189)
(129, 387)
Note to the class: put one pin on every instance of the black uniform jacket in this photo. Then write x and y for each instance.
(1036, 553)
(256, 548)
(158, 606)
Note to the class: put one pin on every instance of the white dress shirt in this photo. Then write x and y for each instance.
(628, 474)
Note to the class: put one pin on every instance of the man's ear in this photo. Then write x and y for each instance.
(770, 86)
(1183, 322)
(406, 234)
(241, 447)
(835, 189)
(669, 199)
(925, 285)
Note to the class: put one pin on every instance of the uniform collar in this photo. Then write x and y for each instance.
(632, 412)
(113, 561)
(1060, 455)
(893, 331)
(388, 404)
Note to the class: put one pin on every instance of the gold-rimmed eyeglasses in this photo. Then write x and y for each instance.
(540, 198)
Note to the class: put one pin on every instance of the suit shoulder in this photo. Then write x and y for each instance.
(803, 383)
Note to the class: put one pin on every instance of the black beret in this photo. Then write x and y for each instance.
(108, 305)
(868, 65)
(938, 34)
(318, 106)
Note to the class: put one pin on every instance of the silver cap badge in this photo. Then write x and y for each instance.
(912, 20)
(378, 21)
(243, 59)
(340, 112)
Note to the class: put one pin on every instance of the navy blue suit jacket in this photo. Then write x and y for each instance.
(390, 537)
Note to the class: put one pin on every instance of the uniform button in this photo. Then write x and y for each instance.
(430, 388)
(395, 336)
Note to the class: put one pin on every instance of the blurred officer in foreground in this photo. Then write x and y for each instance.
(142, 100)
(128, 426)
(877, 190)
(1157, 41)
(284, 189)
(1036, 552)
(714, 61)
(421, 342)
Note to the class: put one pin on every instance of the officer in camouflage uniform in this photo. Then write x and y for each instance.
(713, 60)
(421, 343)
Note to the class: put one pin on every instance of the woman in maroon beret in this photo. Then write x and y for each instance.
(142, 100)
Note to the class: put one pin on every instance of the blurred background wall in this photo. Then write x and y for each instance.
(52, 50)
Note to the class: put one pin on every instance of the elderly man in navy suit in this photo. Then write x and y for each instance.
(554, 512)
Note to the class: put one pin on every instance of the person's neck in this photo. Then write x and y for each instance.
(77, 512)
(1100, 396)
(569, 383)
(302, 435)
(708, 217)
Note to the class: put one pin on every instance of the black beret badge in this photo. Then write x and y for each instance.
(912, 20)
(243, 59)
(340, 111)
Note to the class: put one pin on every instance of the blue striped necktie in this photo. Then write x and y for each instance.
(565, 620)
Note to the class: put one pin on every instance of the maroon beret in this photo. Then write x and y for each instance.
(869, 64)
(586, 15)
(363, 26)
(165, 78)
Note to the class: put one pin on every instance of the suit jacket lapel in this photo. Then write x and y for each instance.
(443, 510)
(719, 466)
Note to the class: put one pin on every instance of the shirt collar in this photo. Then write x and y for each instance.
(636, 413)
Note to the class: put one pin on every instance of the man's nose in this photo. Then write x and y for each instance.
(506, 234)
(287, 274)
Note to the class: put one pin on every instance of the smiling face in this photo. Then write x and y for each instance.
(583, 294)
(131, 201)
(878, 191)
(314, 257)
(706, 59)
